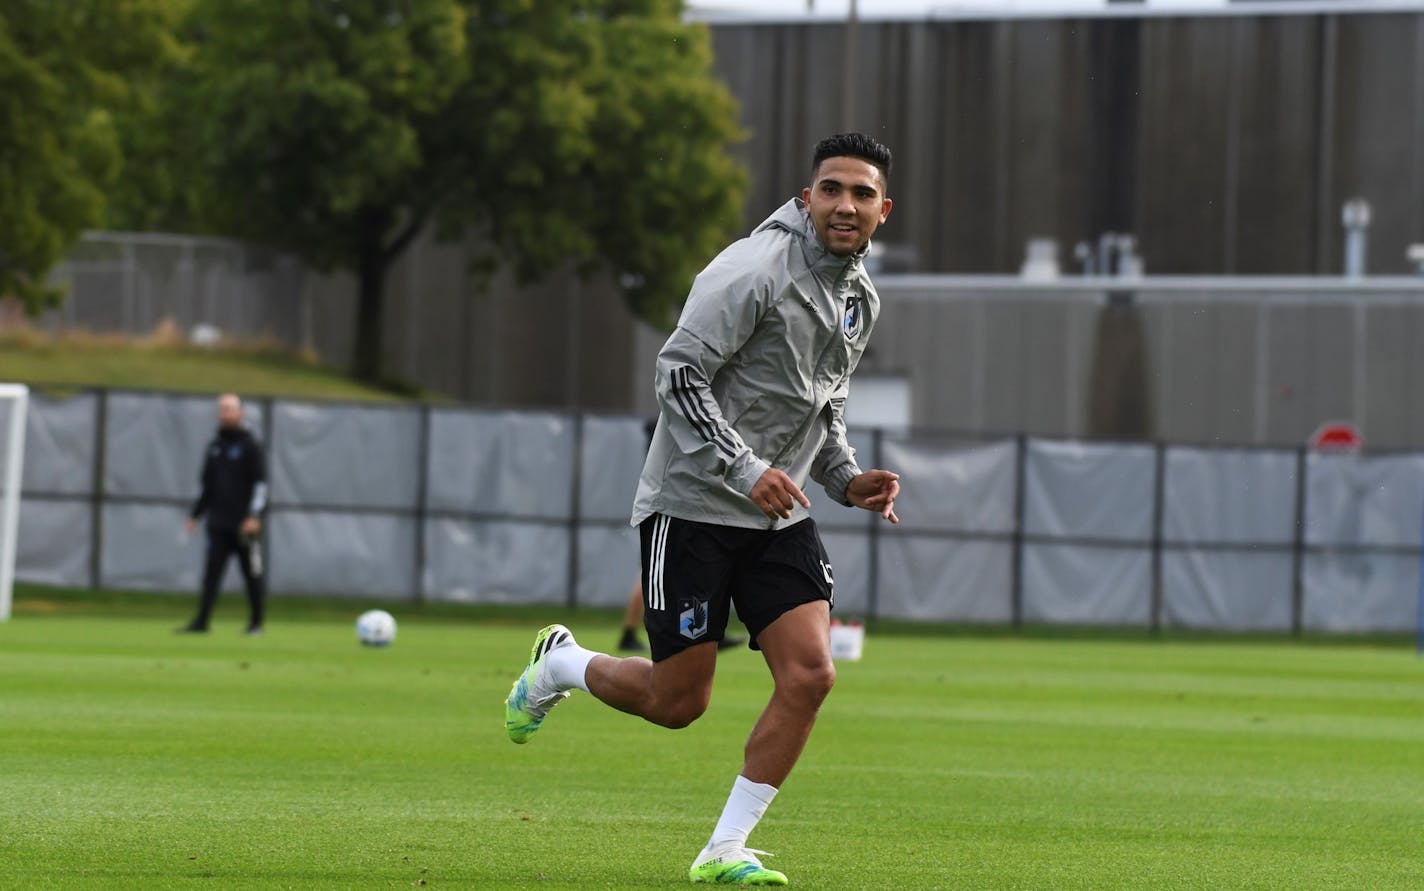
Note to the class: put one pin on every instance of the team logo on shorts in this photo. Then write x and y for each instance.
(692, 618)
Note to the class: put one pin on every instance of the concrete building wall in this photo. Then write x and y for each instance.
(1226, 143)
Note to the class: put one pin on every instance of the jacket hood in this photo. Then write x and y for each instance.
(793, 217)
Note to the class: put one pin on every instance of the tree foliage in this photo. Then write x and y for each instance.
(559, 131)
(65, 75)
(307, 116)
(603, 140)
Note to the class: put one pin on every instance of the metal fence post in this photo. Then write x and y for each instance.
(1016, 593)
(127, 289)
(96, 503)
(575, 509)
(422, 503)
(1419, 610)
(872, 598)
(1159, 510)
(1298, 545)
(269, 424)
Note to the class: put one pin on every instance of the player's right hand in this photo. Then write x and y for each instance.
(875, 490)
(776, 494)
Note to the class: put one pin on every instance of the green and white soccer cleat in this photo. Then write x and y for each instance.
(533, 694)
(734, 866)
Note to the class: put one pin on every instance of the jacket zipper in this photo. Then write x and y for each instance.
(820, 356)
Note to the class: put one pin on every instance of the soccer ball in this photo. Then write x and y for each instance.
(376, 628)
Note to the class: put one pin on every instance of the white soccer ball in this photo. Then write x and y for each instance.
(376, 628)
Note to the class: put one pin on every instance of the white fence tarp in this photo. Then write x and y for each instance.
(344, 554)
(53, 538)
(503, 464)
(59, 444)
(1093, 494)
(953, 488)
(153, 445)
(1364, 500)
(1241, 498)
(344, 456)
(927, 570)
(497, 562)
(405, 502)
(52, 542)
(1081, 585)
(940, 580)
(1355, 503)
(1089, 490)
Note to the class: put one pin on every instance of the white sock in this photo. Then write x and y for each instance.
(744, 808)
(567, 666)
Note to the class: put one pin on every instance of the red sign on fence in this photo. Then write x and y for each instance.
(1337, 436)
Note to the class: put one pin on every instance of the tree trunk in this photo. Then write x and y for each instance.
(368, 359)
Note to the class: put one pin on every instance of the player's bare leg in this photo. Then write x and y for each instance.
(798, 651)
(671, 693)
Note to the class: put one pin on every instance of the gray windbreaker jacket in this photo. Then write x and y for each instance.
(756, 376)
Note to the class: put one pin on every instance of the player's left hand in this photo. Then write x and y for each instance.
(875, 490)
(251, 526)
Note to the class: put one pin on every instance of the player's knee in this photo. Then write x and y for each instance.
(824, 679)
(681, 712)
(812, 684)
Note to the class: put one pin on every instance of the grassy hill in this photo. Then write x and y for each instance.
(163, 361)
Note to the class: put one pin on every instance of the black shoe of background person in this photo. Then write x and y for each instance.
(254, 631)
(731, 642)
(629, 642)
(192, 628)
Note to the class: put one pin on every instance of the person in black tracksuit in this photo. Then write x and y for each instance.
(234, 493)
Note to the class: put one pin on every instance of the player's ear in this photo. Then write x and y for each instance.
(885, 206)
(806, 195)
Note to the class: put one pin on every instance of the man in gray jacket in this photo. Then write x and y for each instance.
(751, 388)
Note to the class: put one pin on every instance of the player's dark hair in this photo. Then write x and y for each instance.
(852, 145)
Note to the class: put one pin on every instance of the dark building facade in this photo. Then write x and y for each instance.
(1226, 143)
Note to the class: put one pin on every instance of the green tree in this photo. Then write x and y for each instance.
(160, 183)
(558, 131)
(64, 76)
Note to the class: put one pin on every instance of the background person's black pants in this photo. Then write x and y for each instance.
(222, 544)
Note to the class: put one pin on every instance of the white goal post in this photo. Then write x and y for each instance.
(18, 395)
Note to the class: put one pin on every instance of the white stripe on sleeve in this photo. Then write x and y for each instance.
(259, 500)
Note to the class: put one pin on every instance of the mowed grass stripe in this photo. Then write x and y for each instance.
(133, 757)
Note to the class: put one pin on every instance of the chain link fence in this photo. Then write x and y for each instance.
(415, 502)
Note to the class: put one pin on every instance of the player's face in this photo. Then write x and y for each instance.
(847, 203)
(230, 411)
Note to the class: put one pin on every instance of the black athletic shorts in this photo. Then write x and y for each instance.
(693, 573)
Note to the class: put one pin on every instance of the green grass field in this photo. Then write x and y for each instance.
(132, 757)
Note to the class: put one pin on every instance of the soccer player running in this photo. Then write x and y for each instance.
(751, 388)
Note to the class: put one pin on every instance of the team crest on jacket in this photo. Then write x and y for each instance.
(692, 620)
(852, 318)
